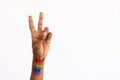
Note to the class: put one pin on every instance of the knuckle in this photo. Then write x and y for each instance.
(41, 17)
(39, 23)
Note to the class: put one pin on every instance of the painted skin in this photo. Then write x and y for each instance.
(40, 46)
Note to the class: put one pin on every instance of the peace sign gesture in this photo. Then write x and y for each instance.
(40, 38)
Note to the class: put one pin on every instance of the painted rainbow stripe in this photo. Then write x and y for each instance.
(37, 66)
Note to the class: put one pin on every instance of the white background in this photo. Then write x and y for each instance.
(85, 43)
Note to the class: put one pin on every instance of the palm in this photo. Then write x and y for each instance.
(40, 39)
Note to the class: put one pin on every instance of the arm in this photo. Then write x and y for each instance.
(40, 46)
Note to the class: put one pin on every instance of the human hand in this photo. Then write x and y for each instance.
(40, 38)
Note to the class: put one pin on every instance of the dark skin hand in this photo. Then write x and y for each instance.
(40, 38)
(40, 46)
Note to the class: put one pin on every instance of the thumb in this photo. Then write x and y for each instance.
(43, 36)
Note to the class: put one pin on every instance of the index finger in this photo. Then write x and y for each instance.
(31, 25)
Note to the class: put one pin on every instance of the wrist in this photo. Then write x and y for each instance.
(38, 64)
(37, 55)
(38, 59)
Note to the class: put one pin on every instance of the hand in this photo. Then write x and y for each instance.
(40, 38)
